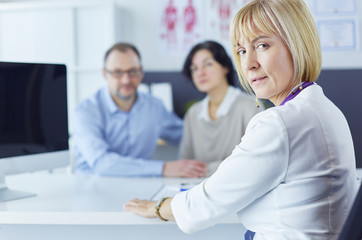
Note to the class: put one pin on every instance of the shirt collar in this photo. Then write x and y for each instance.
(231, 94)
(110, 104)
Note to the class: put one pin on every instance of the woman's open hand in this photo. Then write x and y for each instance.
(142, 208)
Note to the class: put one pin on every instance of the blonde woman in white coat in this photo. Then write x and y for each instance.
(300, 175)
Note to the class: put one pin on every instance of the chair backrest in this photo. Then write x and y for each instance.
(352, 229)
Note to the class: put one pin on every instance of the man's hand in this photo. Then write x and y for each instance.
(188, 168)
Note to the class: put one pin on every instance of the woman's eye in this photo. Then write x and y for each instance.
(262, 46)
(208, 64)
(193, 69)
(241, 52)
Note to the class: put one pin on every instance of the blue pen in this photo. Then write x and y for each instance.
(186, 186)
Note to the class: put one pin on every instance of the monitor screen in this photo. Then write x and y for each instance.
(33, 117)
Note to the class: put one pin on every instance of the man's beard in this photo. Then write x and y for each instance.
(124, 98)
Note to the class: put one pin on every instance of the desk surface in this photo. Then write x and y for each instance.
(90, 207)
(81, 199)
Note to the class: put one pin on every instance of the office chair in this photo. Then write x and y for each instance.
(352, 229)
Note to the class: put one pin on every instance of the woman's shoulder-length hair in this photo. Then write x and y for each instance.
(292, 21)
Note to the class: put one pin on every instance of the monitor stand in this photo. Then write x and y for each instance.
(7, 195)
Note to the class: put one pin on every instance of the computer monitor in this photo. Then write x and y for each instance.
(33, 121)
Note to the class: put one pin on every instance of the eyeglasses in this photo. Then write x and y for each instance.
(133, 73)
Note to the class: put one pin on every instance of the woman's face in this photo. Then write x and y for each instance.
(267, 64)
(207, 74)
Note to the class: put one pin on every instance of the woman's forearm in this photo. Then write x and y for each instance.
(166, 211)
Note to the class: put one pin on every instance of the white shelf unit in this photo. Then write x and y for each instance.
(76, 33)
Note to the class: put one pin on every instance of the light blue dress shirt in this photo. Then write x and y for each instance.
(111, 142)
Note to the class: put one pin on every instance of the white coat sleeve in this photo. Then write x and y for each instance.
(256, 166)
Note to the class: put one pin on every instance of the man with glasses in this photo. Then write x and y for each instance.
(116, 130)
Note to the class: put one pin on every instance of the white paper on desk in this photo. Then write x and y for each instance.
(170, 190)
(165, 191)
(163, 91)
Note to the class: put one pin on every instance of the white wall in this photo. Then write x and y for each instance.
(137, 21)
(141, 20)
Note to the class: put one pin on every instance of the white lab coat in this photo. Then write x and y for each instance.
(293, 176)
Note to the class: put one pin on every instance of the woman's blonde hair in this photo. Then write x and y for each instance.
(289, 19)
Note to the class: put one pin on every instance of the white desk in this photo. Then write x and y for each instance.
(90, 207)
